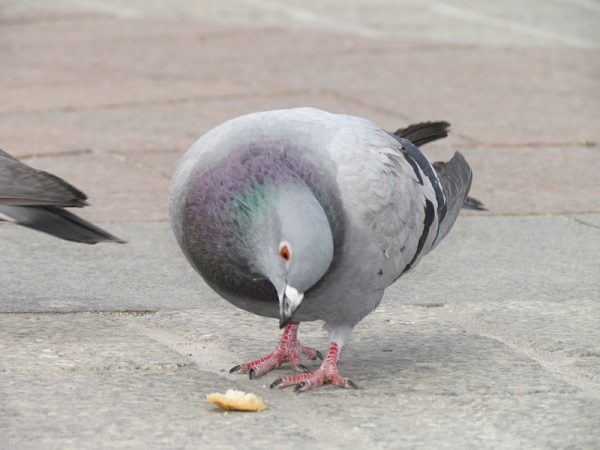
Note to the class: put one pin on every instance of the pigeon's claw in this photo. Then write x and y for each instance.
(288, 350)
(302, 368)
(327, 373)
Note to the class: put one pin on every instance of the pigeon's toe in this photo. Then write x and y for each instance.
(288, 350)
(327, 373)
(306, 381)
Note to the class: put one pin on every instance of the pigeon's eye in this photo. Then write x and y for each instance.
(284, 252)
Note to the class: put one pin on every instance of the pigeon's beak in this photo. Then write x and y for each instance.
(289, 301)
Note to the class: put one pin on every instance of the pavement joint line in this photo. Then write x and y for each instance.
(18, 20)
(581, 222)
(212, 356)
(334, 93)
(173, 101)
(301, 15)
(126, 312)
(139, 165)
(89, 151)
(85, 151)
(489, 213)
(152, 367)
(586, 143)
(587, 4)
(471, 142)
(102, 7)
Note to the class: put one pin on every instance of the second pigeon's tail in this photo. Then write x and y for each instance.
(35, 199)
(22, 185)
(58, 222)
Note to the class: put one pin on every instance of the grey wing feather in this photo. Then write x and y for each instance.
(24, 185)
(58, 222)
(456, 177)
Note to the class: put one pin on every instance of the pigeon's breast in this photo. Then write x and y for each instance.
(226, 199)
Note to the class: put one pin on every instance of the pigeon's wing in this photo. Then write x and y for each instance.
(23, 185)
(424, 132)
(456, 177)
(56, 221)
(386, 192)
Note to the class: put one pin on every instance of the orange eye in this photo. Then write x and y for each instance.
(285, 253)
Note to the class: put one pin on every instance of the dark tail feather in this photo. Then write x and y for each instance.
(474, 204)
(424, 132)
(58, 222)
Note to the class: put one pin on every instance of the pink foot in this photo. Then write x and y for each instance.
(288, 350)
(327, 373)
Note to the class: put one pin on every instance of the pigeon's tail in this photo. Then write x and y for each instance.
(424, 132)
(474, 204)
(23, 185)
(58, 222)
(456, 177)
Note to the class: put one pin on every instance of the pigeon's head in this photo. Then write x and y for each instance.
(295, 246)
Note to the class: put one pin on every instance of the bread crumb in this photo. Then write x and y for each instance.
(234, 400)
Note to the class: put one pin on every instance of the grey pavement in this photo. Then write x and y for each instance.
(492, 342)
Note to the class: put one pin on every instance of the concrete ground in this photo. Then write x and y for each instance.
(492, 342)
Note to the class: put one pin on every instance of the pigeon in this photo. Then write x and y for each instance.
(303, 215)
(36, 199)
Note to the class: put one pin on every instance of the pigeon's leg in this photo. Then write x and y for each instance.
(327, 373)
(288, 350)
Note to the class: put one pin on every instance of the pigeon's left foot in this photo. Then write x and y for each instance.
(327, 373)
(288, 350)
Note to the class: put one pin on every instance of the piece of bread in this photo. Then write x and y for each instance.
(237, 401)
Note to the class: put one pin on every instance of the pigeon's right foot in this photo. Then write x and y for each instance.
(288, 350)
(327, 373)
